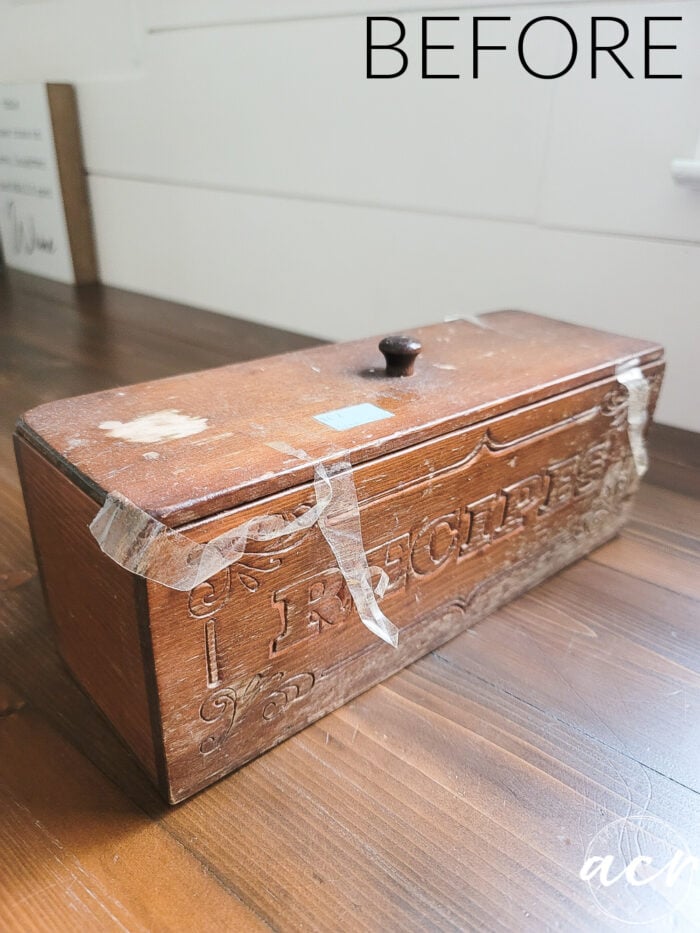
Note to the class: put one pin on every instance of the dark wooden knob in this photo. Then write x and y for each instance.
(400, 354)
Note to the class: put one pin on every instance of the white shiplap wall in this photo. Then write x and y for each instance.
(240, 161)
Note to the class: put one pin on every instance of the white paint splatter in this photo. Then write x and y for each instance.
(159, 426)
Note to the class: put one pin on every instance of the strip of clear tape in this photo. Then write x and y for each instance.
(630, 376)
(145, 546)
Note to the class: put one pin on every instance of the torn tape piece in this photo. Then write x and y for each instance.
(340, 526)
(475, 319)
(633, 379)
(145, 546)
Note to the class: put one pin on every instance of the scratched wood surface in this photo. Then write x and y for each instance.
(460, 794)
(466, 374)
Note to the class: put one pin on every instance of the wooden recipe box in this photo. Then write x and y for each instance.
(512, 450)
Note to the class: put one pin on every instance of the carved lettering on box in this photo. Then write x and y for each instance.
(592, 466)
(310, 606)
(555, 545)
(434, 543)
(484, 518)
(306, 606)
(521, 498)
(561, 488)
(392, 558)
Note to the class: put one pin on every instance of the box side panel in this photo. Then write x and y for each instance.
(460, 524)
(92, 601)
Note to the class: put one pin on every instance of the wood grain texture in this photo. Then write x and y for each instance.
(465, 375)
(476, 518)
(101, 642)
(78, 855)
(466, 499)
(459, 795)
(63, 108)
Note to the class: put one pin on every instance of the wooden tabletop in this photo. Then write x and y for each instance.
(464, 793)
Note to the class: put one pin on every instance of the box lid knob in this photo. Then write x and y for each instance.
(400, 354)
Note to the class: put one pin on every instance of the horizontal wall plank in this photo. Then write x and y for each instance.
(342, 272)
(182, 14)
(612, 140)
(163, 15)
(68, 40)
(286, 108)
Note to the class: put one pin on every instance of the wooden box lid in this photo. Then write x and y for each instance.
(235, 422)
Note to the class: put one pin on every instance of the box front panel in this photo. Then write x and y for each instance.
(459, 524)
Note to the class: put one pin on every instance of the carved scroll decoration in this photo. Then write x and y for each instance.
(268, 693)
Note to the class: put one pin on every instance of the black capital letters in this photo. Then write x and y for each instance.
(521, 47)
(425, 47)
(394, 46)
(476, 48)
(610, 49)
(648, 20)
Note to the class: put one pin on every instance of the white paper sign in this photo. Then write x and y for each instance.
(32, 218)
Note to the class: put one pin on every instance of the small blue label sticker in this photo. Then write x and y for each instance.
(353, 416)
